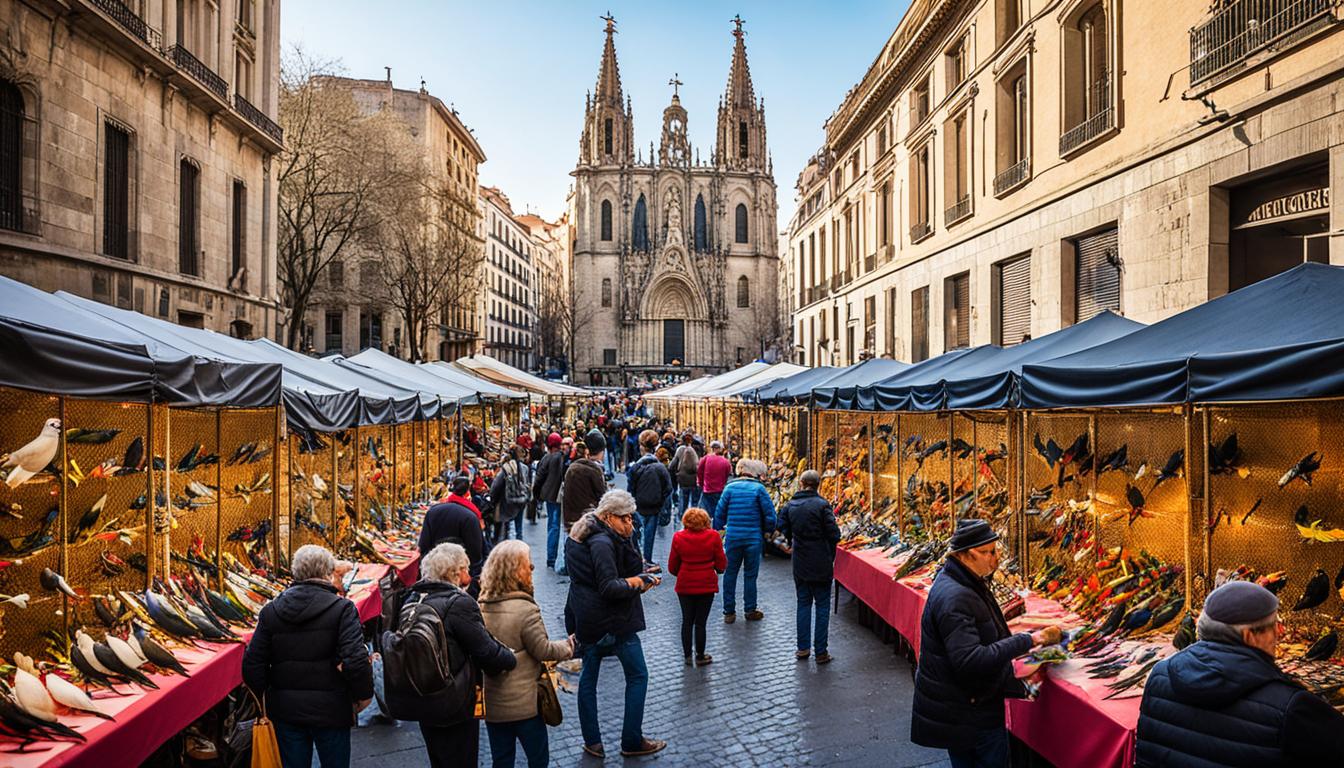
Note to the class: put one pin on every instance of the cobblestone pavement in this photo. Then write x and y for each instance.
(754, 706)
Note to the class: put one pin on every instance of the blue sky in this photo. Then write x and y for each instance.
(517, 71)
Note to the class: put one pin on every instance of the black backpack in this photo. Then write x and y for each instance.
(422, 659)
(644, 485)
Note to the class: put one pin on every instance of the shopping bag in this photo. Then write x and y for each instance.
(265, 747)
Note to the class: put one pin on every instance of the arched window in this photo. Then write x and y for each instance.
(606, 291)
(11, 156)
(741, 223)
(743, 292)
(606, 220)
(640, 236)
(701, 229)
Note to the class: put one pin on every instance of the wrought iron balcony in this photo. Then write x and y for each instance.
(1243, 27)
(1099, 119)
(1013, 176)
(131, 22)
(202, 74)
(957, 211)
(920, 231)
(258, 118)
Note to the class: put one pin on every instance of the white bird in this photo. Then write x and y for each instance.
(128, 655)
(85, 644)
(33, 697)
(35, 456)
(67, 694)
(319, 484)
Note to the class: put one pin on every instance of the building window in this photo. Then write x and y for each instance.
(336, 273)
(741, 228)
(701, 226)
(884, 214)
(838, 181)
(1008, 17)
(870, 325)
(957, 311)
(335, 319)
(882, 139)
(743, 292)
(606, 221)
(674, 341)
(370, 329)
(957, 169)
(956, 62)
(921, 99)
(921, 192)
(891, 322)
(606, 292)
(606, 136)
(641, 225)
(18, 160)
(1013, 142)
(1011, 298)
(742, 139)
(245, 14)
(116, 192)
(188, 218)
(237, 238)
(608, 356)
(1097, 275)
(919, 325)
(1087, 78)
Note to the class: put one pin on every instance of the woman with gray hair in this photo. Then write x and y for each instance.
(448, 724)
(308, 661)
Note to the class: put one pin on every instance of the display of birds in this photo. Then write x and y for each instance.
(90, 436)
(68, 695)
(1315, 530)
(33, 457)
(1225, 458)
(1138, 505)
(133, 460)
(1323, 648)
(1302, 470)
(1175, 467)
(85, 526)
(156, 654)
(1115, 460)
(55, 582)
(1316, 592)
(109, 660)
(1049, 450)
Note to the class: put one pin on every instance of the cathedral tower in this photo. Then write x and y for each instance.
(740, 139)
(608, 124)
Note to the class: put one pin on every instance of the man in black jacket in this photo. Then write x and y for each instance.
(450, 727)
(451, 520)
(307, 659)
(651, 485)
(966, 656)
(808, 524)
(1222, 701)
(546, 487)
(581, 489)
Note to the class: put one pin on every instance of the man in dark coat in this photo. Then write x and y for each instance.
(808, 524)
(651, 484)
(451, 520)
(1222, 701)
(546, 487)
(307, 659)
(582, 487)
(966, 656)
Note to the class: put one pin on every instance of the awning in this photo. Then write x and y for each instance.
(842, 390)
(786, 389)
(484, 388)
(490, 368)
(711, 383)
(762, 377)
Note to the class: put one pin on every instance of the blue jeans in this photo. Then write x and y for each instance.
(613, 457)
(648, 534)
(710, 501)
(518, 523)
(685, 499)
(628, 650)
(554, 525)
(989, 750)
(744, 556)
(810, 593)
(296, 746)
(505, 737)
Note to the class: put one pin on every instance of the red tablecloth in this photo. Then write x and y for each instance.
(408, 568)
(367, 596)
(1099, 732)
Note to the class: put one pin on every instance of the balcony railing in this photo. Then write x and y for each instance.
(1100, 117)
(920, 231)
(193, 66)
(886, 253)
(1014, 175)
(1243, 27)
(131, 22)
(957, 211)
(258, 118)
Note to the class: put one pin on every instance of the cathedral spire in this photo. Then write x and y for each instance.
(739, 91)
(608, 72)
(741, 130)
(608, 131)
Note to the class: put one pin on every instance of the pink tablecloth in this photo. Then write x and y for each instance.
(367, 596)
(1098, 732)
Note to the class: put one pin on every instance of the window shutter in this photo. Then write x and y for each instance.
(1098, 274)
(962, 286)
(1014, 301)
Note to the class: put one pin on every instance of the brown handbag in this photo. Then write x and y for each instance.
(548, 702)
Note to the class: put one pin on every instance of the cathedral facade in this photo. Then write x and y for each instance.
(674, 260)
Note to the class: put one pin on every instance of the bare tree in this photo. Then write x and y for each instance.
(336, 162)
(766, 326)
(555, 317)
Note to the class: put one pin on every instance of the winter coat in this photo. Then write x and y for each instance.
(302, 637)
(505, 510)
(684, 464)
(650, 483)
(965, 666)
(711, 474)
(584, 485)
(515, 620)
(808, 523)
(1224, 704)
(599, 560)
(550, 473)
(696, 559)
(462, 621)
(450, 521)
(745, 511)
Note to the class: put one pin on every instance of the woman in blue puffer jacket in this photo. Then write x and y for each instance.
(746, 515)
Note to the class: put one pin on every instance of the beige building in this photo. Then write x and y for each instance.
(1008, 167)
(551, 272)
(136, 149)
(510, 283)
(674, 258)
(349, 310)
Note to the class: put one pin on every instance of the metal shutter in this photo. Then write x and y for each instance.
(961, 288)
(1014, 301)
(1098, 276)
(919, 325)
(116, 192)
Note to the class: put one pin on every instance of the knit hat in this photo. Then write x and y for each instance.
(595, 442)
(553, 440)
(971, 534)
(1240, 602)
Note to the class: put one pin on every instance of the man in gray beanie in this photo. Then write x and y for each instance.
(1222, 701)
(808, 523)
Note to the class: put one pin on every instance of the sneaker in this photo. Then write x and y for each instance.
(801, 655)
(647, 747)
(729, 618)
(824, 658)
(704, 661)
(755, 615)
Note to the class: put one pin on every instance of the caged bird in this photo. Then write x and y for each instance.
(79, 435)
(1174, 468)
(1302, 470)
(1225, 458)
(1115, 460)
(33, 457)
(1315, 593)
(1048, 451)
(1323, 648)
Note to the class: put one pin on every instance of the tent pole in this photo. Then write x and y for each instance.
(951, 474)
(63, 560)
(1189, 412)
(335, 484)
(358, 479)
(975, 466)
(289, 496)
(219, 499)
(900, 481)
(149, 494)
(1092, 490)
(279, 434)
(396, 487)
(167, 490)
(871, 466)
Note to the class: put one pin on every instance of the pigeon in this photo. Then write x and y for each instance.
(35, 456)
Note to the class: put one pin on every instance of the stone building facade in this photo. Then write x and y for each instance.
(137, 142)
(674, 260)
(349, 311)
(550, 337)
(1008, 167)
(510, 283)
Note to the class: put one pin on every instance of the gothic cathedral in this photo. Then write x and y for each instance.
(675, 261)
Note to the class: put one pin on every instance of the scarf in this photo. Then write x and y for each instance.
(465, 501)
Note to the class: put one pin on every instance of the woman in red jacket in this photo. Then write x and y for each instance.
(697, 559)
